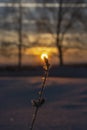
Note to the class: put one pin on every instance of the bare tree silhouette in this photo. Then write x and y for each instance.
(58, 21)
(13, 20)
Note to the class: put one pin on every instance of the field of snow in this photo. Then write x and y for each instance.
(65, 107)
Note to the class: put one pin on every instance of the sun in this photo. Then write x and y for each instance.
(44, 55)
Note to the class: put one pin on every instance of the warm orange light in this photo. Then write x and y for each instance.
(44, 55)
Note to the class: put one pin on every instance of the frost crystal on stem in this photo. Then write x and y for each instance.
(37, 103)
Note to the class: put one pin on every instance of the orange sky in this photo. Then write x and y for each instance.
(33, 56)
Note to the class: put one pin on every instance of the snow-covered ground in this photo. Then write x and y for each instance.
(65, 107)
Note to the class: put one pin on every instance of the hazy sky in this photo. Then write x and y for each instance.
(40, 1)
(46, 42)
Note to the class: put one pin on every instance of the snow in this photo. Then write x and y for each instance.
(65, 107)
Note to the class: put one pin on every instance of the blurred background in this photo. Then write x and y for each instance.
(30, 27)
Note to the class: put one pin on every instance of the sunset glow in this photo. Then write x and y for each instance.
(44, 55)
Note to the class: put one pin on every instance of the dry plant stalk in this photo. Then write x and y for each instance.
(37, 103)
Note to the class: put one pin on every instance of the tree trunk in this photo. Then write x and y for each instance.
(58, 42)
(20, 36)
(60, 55)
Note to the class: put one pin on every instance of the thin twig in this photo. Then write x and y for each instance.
(43, 84)
(34, 118)
(38, 103)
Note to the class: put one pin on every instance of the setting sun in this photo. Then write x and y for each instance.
(44, 55)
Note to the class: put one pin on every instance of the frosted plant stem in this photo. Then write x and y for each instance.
(34, 118)
(39, 99)
(43, 84)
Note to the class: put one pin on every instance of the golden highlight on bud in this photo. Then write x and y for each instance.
(43, 56)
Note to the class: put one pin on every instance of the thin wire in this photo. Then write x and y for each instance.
(39, 99)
